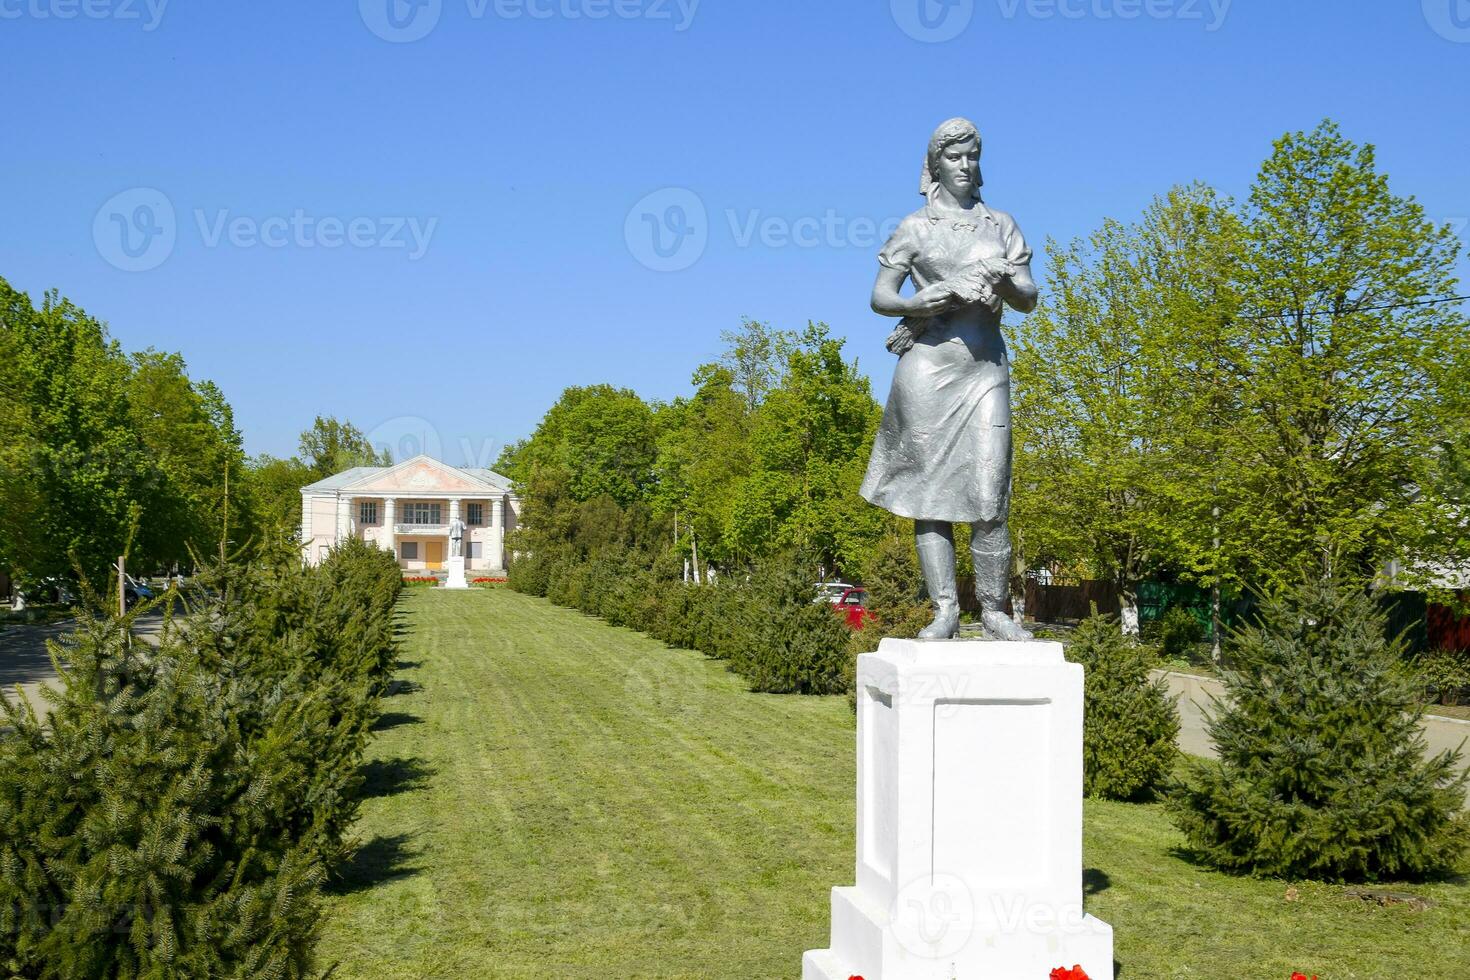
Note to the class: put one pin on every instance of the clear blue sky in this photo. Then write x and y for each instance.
(520, 136)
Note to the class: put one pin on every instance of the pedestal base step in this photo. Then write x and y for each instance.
(865, 944)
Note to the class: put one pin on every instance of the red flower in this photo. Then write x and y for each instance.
(1302, 976)
(1062, 973)
(854, 977)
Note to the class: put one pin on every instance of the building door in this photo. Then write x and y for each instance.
(434, 555)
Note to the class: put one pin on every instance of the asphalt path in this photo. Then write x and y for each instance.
(25, 662)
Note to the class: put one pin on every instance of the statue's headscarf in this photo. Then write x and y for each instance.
(950, 132)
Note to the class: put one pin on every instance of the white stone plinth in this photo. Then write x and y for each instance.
(456, 581)
(969, 819)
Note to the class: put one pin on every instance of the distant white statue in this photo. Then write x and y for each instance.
(456, 538)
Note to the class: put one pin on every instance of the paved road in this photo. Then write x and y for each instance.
(24, 661)
(1194, 696)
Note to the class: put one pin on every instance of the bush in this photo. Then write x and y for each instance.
(768, 629)
(1445, 673)
(786, 643)
(1322, 770)
(180, 810)
(895, 587)
(1178, 633)
(1130, 723)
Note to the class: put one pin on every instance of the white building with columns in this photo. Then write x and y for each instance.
(408, 508)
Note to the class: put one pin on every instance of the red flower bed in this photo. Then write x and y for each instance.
(420, 580)
(488, 580)
(1062, 973)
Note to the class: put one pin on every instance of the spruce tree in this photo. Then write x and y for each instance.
(1322, 772)
(1129, 722)
(180, 810)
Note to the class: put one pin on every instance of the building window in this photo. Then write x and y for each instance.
(420, 513)
(409, 551)
(367, 512)
(475, 514)
(477, 549)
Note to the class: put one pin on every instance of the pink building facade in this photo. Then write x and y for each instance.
(409, 508)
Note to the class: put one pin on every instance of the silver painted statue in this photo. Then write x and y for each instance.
(943, 451)
(456, 538)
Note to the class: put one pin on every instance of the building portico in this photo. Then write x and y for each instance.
(409, 509)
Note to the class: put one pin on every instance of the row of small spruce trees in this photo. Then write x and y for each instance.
(181, 809)
(1321, 770)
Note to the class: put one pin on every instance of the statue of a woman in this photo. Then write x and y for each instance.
(943, 451)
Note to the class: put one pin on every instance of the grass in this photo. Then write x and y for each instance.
(553, 797)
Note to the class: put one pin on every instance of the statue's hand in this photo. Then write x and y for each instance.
(994, 270)
(933, 300)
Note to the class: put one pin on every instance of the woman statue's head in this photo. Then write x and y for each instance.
(953, 162)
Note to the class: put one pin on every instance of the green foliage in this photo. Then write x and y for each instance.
(1177, 632)
(598, 440)
(92, 436)
(1446, 673)
(272, 489)
(1243, 393)
(785, 643)
(1322, 771)
(180, 810)
(767, 629)
(1129, 722)
(1113, 423)
(331, 446)
(810, 441)
(895, 588)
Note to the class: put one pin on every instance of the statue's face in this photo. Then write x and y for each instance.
(959, 169)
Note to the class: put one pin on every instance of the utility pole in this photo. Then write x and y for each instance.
(122, 582)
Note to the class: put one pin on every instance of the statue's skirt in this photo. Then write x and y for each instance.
(943, 450)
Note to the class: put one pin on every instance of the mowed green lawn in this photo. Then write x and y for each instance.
(552, 797)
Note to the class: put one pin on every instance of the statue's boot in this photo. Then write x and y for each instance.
(936, 559)
(992, 580)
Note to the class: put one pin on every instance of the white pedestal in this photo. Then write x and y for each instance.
(969, 826)
(456, 579)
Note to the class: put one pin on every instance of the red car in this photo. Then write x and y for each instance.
(852, 605)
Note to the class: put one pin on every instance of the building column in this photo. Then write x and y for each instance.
(389, 539)
(344, 519)
(497, 532)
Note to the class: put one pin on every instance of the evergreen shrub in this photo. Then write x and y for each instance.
(1130, 723)
(180, 810)
(1322, 772)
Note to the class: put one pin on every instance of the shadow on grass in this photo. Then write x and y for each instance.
(381, 859)
(389, 777)
(408, 665)
(390, 720)
(1095, 881)
(399, 686)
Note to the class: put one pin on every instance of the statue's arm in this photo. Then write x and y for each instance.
(887, 301)
(1018, 289)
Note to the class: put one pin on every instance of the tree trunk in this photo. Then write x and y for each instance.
(1215, 622)
(1128, 609)
(1018, 591)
